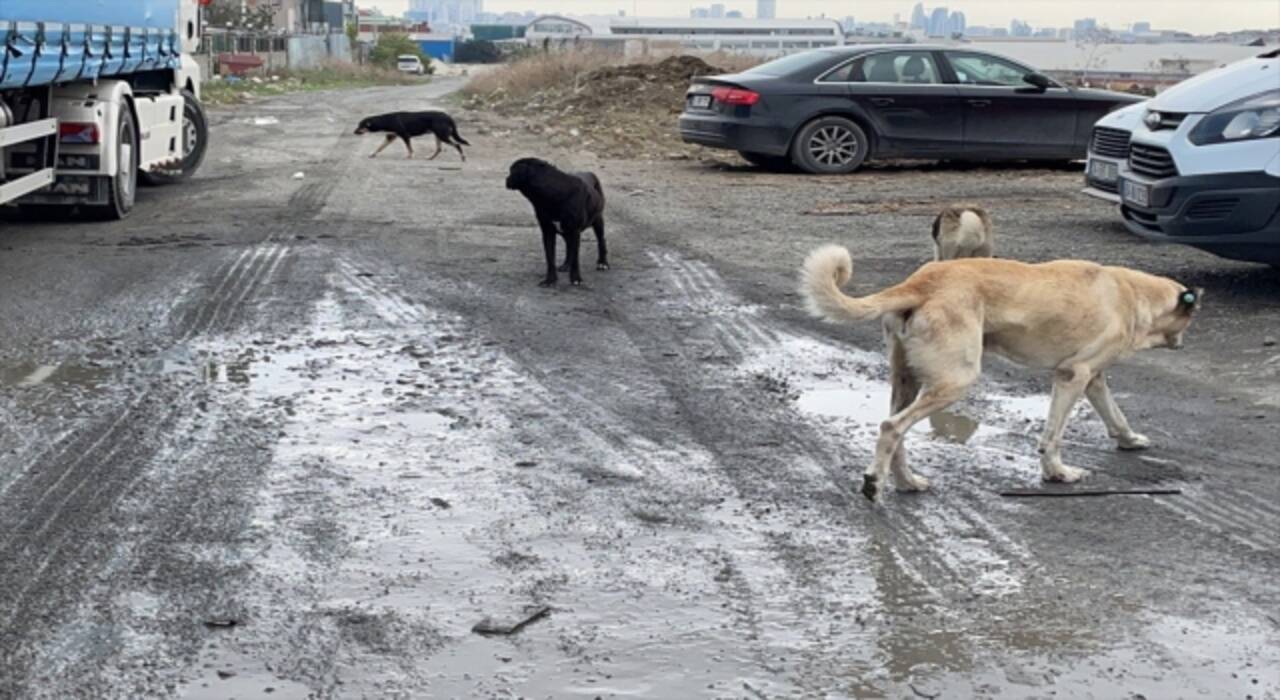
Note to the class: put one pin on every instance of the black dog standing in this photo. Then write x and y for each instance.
(565, 204)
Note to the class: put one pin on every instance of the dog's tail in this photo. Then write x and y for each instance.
(453, 134)
(829, 268)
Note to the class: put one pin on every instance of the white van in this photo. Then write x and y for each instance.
(1199, 164)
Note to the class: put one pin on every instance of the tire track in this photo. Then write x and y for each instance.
(989, 562)
(86, 473)
(615, 463)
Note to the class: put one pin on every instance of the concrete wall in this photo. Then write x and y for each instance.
(307, 52)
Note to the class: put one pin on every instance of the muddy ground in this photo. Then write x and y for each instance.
(287, 438)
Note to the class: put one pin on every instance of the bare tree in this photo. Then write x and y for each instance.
(1097, 45)
(239, 14)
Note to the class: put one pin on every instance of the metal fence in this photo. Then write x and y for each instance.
(270, 51)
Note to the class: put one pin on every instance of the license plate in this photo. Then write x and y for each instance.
(1137, 193)
(700, 101)
(1103, 171)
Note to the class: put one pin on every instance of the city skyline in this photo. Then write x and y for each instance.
(1186, 15)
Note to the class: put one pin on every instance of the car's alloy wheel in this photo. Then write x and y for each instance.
(830, 145)
(833, 146)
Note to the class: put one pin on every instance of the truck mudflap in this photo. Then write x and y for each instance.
(72, 190)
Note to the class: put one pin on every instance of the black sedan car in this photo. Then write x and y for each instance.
(829, 110)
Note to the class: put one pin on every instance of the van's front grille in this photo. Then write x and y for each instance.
(1112, 143)
(1152, 161)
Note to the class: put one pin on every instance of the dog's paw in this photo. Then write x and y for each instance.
(548, 282)
(602, 266)
(912, 482)
(1066, 475)
(1133, 441)
(576, 283)
(869, 487)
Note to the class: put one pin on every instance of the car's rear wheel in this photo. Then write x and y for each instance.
(830, 146)
(775, 164)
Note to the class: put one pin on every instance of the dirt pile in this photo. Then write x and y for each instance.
(626, 111)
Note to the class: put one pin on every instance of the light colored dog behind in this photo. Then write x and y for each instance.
(1072, 317)
(962, 231)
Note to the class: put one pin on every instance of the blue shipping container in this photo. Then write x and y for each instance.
(439, 49)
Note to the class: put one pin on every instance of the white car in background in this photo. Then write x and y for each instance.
(408, 63)
(1202, 163)
(1108, 149)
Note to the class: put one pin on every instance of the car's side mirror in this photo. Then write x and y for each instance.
(1039, 81)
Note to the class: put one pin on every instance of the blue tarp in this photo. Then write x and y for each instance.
(161, 14)
(49, 41)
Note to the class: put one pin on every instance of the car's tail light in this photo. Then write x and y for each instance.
(735, 96)
(73, 132)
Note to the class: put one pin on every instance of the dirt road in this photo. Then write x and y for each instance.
(280, 437)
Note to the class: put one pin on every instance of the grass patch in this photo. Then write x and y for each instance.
(226, 91)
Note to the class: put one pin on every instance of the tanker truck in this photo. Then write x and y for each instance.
(95, 98)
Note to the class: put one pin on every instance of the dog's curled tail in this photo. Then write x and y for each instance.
(829, 268)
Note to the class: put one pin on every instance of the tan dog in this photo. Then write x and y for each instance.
(1073, 317)
(962, 231)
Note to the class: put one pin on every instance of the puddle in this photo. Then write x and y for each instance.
(849, 384)
(32, 374)
(869, 405)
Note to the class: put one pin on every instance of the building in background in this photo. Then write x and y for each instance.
(1084, 28)
(766, 9)
(938, 21)
(919, 20)
(634, 35)
(372, 23)
(455, 15)
(308, 16)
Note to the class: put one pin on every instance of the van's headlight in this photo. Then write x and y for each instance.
(1255, 117)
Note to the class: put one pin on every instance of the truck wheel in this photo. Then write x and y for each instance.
(123, 188)
(195, 142)
(830, 146)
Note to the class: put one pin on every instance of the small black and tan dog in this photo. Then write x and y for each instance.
(565, 204)
(406, 125)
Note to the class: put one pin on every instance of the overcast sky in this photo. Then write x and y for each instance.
(1199, 16)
